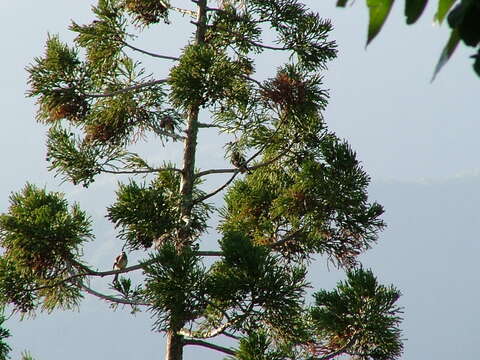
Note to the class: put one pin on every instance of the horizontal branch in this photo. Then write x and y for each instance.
(210, 334)
(216, 191)
(112, 298)
(209, 253)
(203, 125)
(168, 134)
(90, 272)
(210, 346)
(227, 334)
(128, 89)
(285, 239)
(342, 350)
(149, 53)
(184, 11)
(217, 171)
(148, 171)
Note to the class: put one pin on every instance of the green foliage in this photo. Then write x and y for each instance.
(72, 159)
(146, 213)
(203, 75)
(26, 355)
(147, 12)
(462, 19)
(15, 287)
(42, 239)
(298, 30)
(102, 39)
(40, 232)
(301, 203)
(54, 79)
(257, 346)
(378, 11)
(175, 284)
(360, 314)
(447, 52)
(443, 7)
(249, 277)
(4, 334)
(414, 9)
(296, 189)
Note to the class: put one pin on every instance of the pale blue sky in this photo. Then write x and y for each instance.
(417, 140)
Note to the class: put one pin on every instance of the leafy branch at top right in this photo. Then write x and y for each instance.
(463, 17)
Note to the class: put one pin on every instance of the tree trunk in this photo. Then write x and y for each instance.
(175, 343)
(174, 349)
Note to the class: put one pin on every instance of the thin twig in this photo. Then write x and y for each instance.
(217, 171)
(112, 298)
(209, 345)
(227, 334)
(169, 134)
(127, 89)
(141, 171)
(203, 125)
(212, 333)
(205, 197)
(148, 52)
(339, 351)
(209, 253)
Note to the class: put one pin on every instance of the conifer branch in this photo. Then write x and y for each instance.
(216, 191)
(149, 171)
(168, 134)
(112, 298)
(148, 52)
(209, 345)
(227, 334)
(342, 350)
(209, 253)
(203, 125)
(212, 333)
(182, 11)
(127, 89)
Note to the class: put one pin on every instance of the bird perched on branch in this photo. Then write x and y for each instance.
(167, 124)
(120, 263)
(239, 161)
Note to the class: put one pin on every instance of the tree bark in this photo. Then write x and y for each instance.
(175, 345)
(175, 342)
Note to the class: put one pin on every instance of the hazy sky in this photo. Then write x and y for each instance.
(417, 140)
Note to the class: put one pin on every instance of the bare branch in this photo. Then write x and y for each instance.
(203, 198)
(169, 134)
(90, 272)
(112, 298)
(209, 253)
(216, 171)
(285, 239)
(148, 52)
(148, 171)
(191, 13)
(339, 351)
(209, 345)
(203, 125)
(127, 89)
(210, 334)
(227, 334)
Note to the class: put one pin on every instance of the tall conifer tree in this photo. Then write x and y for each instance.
(292, 189)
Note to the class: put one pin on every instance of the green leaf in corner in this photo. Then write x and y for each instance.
(442, 10)
(476, 64)
(447, 51)
(414, 9)
(342, 3)
(378, 12)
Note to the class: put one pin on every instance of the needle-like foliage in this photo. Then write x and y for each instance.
(292, 189)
